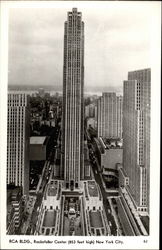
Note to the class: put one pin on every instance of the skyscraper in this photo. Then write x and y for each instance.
(110, 115)
(18, 141)
(73, 83)
(136, 135)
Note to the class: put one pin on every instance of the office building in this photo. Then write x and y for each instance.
(136, 136)
(39, 148)
(73, 109)
(18, 141)
(109, 118)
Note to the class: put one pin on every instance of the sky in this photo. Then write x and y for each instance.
(118, 39)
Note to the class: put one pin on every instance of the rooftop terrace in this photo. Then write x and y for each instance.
(49, 218)
(95, 219)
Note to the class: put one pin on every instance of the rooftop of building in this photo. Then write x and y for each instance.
(95, 219)
(38, 140)
(49, 218)
(92, 189)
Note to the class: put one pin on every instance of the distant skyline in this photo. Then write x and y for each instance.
(117, 40)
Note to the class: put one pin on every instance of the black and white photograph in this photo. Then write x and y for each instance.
(80, 112)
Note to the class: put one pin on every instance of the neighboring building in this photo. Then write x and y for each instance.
(18, 141)
(90, 110)
(39, 150)
(132, 222)
(73, 106)
(109, 118)
(14, 209)
(136, 136)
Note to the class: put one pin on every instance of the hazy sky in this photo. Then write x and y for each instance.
(117, 40)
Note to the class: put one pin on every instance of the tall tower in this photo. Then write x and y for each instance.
(18, 141)
(73, 83)
(136, 135)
